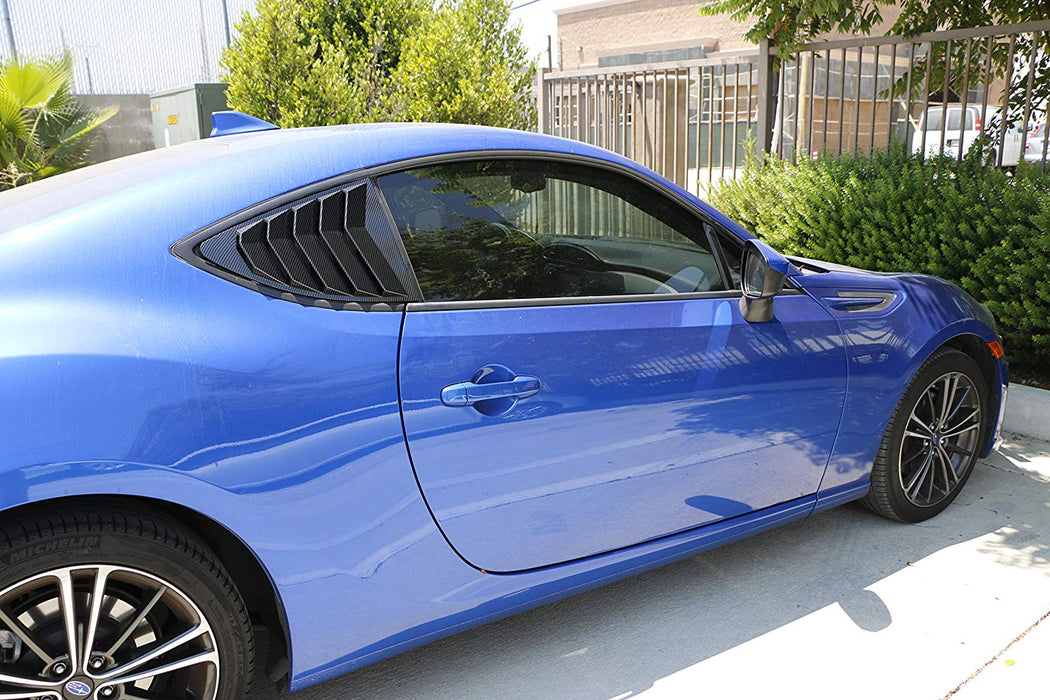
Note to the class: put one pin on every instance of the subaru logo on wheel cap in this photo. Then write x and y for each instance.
(79, 689)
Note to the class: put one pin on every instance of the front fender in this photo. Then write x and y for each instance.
(884, 351)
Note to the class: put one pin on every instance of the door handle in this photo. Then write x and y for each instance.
(470, 393)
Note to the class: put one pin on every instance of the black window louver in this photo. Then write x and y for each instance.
(319, 248)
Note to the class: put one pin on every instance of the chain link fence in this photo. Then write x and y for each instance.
(125, 46)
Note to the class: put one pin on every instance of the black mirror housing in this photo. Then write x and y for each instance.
(764, 273)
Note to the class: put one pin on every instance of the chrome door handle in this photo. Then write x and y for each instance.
(469, 393)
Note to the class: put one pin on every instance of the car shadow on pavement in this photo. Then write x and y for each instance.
(617, 641)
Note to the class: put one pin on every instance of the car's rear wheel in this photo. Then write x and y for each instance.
(117, 606)
(933, 439)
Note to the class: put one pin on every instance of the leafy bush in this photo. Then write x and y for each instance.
(318, 62)
(975, 226)
(467, 64)
(43, 130)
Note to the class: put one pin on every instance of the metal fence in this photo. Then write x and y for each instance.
(696, 121)
(124, 46)
(688, 120)
(936, 93)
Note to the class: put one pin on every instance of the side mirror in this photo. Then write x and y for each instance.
(765, 271)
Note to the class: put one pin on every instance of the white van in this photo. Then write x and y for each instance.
(933, 123)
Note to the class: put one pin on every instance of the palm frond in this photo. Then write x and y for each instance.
(14, 121)
(62, 136)
(43, 130)
(34, 83)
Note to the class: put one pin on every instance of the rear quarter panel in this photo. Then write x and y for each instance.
(126, 371)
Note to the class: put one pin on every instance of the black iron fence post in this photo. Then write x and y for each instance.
(767, 98)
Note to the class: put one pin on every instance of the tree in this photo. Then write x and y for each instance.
(43, 130)
(791, 23)
(468, 65)
(318, 62)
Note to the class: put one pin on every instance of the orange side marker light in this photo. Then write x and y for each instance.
(996, 348)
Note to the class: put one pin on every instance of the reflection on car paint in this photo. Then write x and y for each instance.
(128, 372)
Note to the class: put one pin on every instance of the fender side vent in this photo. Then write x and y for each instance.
(321, 247)
(859, 301)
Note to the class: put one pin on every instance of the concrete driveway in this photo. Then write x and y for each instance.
(843, 604)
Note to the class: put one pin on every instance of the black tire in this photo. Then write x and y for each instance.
(887, 495)
(142, 542)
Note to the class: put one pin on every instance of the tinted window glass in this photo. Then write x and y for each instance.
(933, 121)
(532, 229)
(954, 116)
(732, 252)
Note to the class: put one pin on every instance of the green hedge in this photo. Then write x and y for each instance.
(985, 230)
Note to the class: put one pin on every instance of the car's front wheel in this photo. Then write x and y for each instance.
(115, 605)
(933, 440)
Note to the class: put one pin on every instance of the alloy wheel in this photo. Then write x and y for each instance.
(105, 633)
(940, 439)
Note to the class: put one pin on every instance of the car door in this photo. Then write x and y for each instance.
(580, 378)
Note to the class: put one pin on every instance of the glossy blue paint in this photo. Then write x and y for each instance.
(493, 390)
(774, 260)
(228, 123)
(653, 418)
(489, 597)
(885, 349)
(127, 371)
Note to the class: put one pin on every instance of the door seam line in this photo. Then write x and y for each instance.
(408, 451)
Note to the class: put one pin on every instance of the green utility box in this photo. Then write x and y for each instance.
(184, 114)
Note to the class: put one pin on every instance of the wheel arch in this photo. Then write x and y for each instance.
(969, 337)
(253, 581)
(977, 348)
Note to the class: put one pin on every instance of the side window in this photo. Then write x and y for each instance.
(955, 116)
(933, 119)
(525, 229)
(732, 252)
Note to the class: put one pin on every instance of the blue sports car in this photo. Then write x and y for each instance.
(369, 386)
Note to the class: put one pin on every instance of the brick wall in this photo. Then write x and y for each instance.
(589, 32)
(625, 27)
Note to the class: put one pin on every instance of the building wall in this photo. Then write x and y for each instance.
(589, 32)
(623, 27)
(128, 131)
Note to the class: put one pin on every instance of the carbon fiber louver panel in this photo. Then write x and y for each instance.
(319, 247)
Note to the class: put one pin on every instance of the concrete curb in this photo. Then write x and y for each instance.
(1028, 412)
